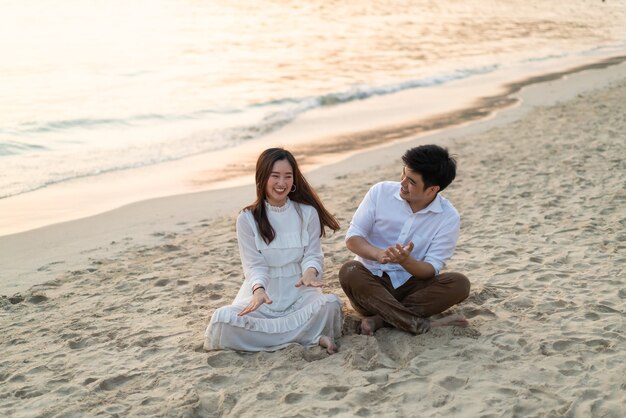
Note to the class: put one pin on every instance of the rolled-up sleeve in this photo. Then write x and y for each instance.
(363, 219)
(313, 255)
(443, 244)
(255, 269)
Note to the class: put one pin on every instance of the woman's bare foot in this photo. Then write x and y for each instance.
(328, 344)
(450, 320)
(370, 324)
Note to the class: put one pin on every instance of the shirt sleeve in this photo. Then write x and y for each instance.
(313, 255)
(364, 217)
(443, 244)
(255, 269)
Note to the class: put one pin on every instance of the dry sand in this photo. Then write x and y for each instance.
(543, 241)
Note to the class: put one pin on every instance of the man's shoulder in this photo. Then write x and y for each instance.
(385, 187)
(388, 184)
(382, 192)
(448, 208)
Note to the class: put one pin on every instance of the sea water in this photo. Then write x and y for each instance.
(90, 87)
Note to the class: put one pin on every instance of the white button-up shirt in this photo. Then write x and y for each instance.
(384, 219)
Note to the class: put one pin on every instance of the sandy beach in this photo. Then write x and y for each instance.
(106, 315)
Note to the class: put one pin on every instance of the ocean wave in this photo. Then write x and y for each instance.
(365, 92)
(299, 104)
(82, 123)
(13, 148)
(51, 168)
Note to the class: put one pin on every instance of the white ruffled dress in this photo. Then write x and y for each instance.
(297, 314)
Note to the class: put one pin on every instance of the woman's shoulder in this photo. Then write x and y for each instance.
(306, 209)
(244, 217)
(244, 212)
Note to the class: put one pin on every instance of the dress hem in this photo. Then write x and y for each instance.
(273, 325)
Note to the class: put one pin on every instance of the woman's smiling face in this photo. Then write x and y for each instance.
(279, 183)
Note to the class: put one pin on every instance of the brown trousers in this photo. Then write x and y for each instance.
(407, 307)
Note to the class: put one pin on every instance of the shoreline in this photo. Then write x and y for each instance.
(88, 197)
(116, 324)
(136, 221)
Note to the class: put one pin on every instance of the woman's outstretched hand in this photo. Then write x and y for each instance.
(259, 297)
(309, 278)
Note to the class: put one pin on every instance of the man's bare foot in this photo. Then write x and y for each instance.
(370, 324)
(450, 320)
(328, 344)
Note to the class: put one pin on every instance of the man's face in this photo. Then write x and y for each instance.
(412, 190)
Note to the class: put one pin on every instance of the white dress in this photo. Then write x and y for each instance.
(297, 314)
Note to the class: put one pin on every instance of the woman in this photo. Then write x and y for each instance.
(279, 244)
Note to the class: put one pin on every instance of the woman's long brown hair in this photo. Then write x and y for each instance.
(304, 193)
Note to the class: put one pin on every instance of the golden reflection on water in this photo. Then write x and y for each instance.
(168, 52)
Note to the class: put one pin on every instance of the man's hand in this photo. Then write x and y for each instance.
(382, 257)
(399, 254)
(309, 278)
(259, 297)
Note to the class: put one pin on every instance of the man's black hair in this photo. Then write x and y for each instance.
(433, 162)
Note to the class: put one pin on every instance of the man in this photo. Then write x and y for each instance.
(402, 234)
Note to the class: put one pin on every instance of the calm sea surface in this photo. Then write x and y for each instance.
(89, 87)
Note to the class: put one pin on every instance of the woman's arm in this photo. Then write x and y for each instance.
(313, 259)
(255, 268)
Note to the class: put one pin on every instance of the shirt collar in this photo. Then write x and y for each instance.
(435, 206)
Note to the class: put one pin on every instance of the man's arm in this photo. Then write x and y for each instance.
(419, 269)
(397, 254)
(360, 246)
(440, 250)
(402, 255)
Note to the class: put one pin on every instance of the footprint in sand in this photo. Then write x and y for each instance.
(452, 383)
(599, 344)
(115, 382)
(562, 345)
(293, 397)
(334, 393)
(218, 381)
(199, 288)
(77, 344)
(486, 293)
(519, 303)
(267, 396)
(605, 309)
(316, 354)
(161, 282)
(592, 316)
(468, 332)
(223, 359)
(146, 277)
(363, 412)
(168, 248)
(15, 299)
(471, 312)
(507, 391)
(27, 392)
(378, 379)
